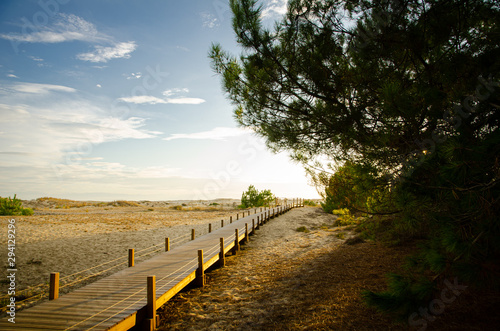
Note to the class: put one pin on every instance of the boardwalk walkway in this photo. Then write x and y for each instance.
(119, 301)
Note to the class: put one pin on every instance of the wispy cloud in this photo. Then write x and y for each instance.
(65, 28)
(182, 48)
(34, 88)
(274, 8)
(185, 101)
(219, 133)
(170, 99)
(37, 59)
(12, 76)
(57, 125)
(134, 75)
(175, 91)
(104, 54)
(142, 99)
(209, 20)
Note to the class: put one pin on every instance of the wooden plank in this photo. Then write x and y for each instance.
(210, 262)
(175, 289)
(118, 302)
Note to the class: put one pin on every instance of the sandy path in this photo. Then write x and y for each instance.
(242, 298)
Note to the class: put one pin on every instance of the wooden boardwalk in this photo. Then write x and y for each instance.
(119, 301)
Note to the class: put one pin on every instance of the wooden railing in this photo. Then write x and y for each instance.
(215, 254)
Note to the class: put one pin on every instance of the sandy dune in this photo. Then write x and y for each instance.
(67, 239)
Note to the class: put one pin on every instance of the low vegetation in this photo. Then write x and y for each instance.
(255, 198)
(302, 229)
(13, 207)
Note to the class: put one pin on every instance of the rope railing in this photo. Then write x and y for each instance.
(130, 296)
(188, 265)
(79, 277)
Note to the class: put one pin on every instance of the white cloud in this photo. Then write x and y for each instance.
(143, 99)
(40, 88)
(174, 91)
(117, 129)
(185, 101)
(219, 133)
(134, 75)
(65, 28)
(12, 76)
(37, 59)
(104, 54)
(209, 20)
(99, 85)
(275, 8)
(182, 48)
(56, 126)
(148, 99)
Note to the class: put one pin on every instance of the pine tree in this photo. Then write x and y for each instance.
(407, 87)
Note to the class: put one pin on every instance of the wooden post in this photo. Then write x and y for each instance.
(237, 216)
(167, 244)
(261, 209)
(131, 257)
(236, 247)
(151, 306)
(221, 223)
(54, 286)
(230, 219)
(209, 227)
(258, 222)
(222, 256)
(193, 234)
(246, 232)
(200, 272)
(253, 225)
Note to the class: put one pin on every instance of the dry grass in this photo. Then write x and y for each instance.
(315, 293)
(319, 288)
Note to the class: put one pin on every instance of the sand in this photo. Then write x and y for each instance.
(247, 296)
(65, 239)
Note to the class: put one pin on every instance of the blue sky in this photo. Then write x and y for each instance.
(109, 99)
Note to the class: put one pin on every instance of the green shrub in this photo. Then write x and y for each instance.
(340, 235)
(253, 198)
(341, 212)
(357, 187)
(310, 203)
(13, 207)
(303, 229)
(346, 220)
